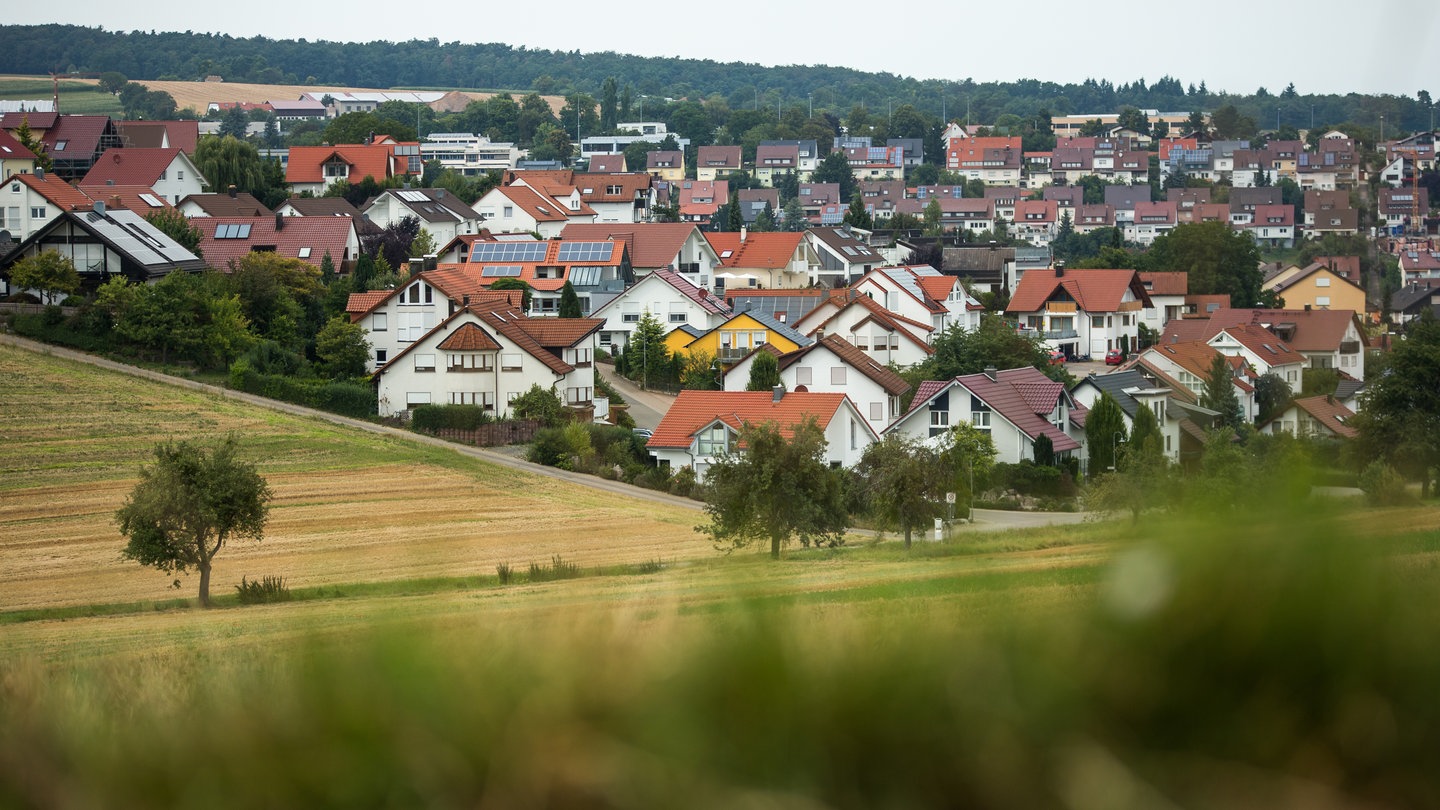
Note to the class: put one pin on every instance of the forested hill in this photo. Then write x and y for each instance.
(42, 49)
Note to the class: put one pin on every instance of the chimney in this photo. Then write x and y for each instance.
(100, 207)
(465, 301)
(777, 393)
(110, 181)
(233, 191)
(990, 372)
(743, 234)
(279, 221)
(1307, 307)
(992, 244)
(115, 202)
(1060, 269)
(39, 172)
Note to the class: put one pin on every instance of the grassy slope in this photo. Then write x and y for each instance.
(76, 96)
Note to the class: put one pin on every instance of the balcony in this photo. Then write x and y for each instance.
(1349, 346)
(1061, 334)
(729, 354)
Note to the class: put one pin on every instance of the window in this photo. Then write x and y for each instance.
(862, 343)
(804, 375)
(469, 361)
(713, 442)
(837, 375)
(380, 356)
(510, 361)
(606, 338)
(980, 419)
(378, 322)
(484, 399)
(304, 253)
(677, 317)
(508, 211)
(579, 396)
(1322, 282)
(60, 145)
(179, 174)
(413, 398)
(37, 212)
(424, 362)
(877, 411)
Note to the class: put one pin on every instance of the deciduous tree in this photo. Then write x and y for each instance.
(764, 372)
(49, 271)
(1399, 421)
(903, 483)
(188, 504)
(341, 348)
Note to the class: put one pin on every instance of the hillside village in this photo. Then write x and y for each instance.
(471, 270)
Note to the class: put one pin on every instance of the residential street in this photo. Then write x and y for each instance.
(646, 407)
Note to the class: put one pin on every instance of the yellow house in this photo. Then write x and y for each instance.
(1318, 287)
(665, 165)
(737, 337)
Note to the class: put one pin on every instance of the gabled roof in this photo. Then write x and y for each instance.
(507, 324)
(307, 163)
(453, 282)
(141, 244)
(540, 207)
(430, 204)
(596, 188)
(694, 410)
(1315, 330)
(719, 158)
(651, 244)
(311, 236)
(59, 193)
(132, 167)
(1264, 344)
(1023, 396)
(135, 198)
(1328, 412)
(1092, 290)
(607, 164)
(469, 338)
(843, 244)
(1120, 385)
(12, 149)
(705, 299)
(360, 303)
(182, 135)
(323, 207)
(769, 322)
(769, 251)
(1161, 283)
(892, 383)
(1310, 270)
(1195, 356)
(243, 204)
(81, 133)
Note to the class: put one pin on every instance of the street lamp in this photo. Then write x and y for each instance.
(1114, 452)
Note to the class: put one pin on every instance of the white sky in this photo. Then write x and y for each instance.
(1323, 46)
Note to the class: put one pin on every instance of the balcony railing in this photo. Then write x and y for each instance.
(1060, 334)
(730, 355)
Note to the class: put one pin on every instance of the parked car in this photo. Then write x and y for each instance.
(1057, 357)
(644, 433)
(1114, 357)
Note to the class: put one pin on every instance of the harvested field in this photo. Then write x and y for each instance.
(347, 507)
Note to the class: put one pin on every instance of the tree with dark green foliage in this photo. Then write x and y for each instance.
(177, 226)
(835, 168)
(526, 291)
(27, 139)
(646, 355)
(765, 220)
(1104, 433)
(1216, 259)
(327, 269)
(540, 404)
(1399, 419)
(995, 343)
(788, 184)
(795, 220)
(1272, 396)
(50, 272)
(735, 220)
(341, 348)
(1218, 393)
(364, 274)
(764, 372)
(188, 504)
(360, 127)
(934, 225)
(903, 483)
(1143, 479)
(228, 161)
(857, 215)
(569, 301)
(1145, 437)
(234, 123)
(1044, 451)
(778, 488)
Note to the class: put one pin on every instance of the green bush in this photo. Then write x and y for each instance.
(267, 589)
(346, 398)
(504, 573)
(269, 357)
(35, 327)
(430, 418)
(1029, 478)
(683, 483)
(1383, 486)
(549, 448)
(557, 569)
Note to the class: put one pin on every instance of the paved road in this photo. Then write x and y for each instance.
(646, 407)
(985, 519)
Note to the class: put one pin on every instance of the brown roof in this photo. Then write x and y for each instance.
(693, 410)
(312, 236)
(63, 195)
(140, 199)
(651, 245)
(130, 167)
(323, 207)
(469, 338)
(182, 135)
(1264, 343)
(1025, 397)
(243, 204)
(1092, 290)
(1329, 412)
(1166, 283)
(1315, 330)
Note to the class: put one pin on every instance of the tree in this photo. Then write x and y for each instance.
(188, 504)
(835, 168)
(1044, 451)
(1272, 396)
(541, 404)
(177, 226)
(794, 220)
(1104, 433)
(904, 483)
(857, 216)
(228, 161)
(764, 372)
(1143, 471)
(393, 241)
(1196, 124)
(609, 105)
(50, 272)
(341, 348)
(569, 301)
(423, 245)
(1145, 437)
(735, 219)
(765, 220)
(1399, 420)
(526, 292)
(651, 356)
(111, 81)
(778, 489)
(1215, 259)
(995, 343)
(934, 224)
(360, 127)
(1218, 393)
(235, 123)
(28, 140)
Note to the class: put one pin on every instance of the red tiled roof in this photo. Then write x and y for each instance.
(693, 410)
(771, 251)
(538, 206)
(128, 197)
(63, 195)
(469, 338)
(319, 234)
(1264, 343)
(1025, 397)
(1330, 413)
(509, 325)
(651, 244)
(307, 163)
(1316, 330)
(937, 287)
(130, 167)
(360, 303)
(559, 333)
(1166, 283)
(1195, 356)
(12, 149)
(1093, 290)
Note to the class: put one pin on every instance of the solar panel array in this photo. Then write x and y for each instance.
(585, 276)
(586, 251)
(507, 252)
(233, 231)
(500, 270)
(414, 196)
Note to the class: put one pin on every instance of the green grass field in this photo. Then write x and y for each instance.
(75, 97)
(1282, 660)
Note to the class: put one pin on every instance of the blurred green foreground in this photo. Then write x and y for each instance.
(1248, 664)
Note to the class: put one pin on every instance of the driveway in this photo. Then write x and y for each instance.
(646, 407)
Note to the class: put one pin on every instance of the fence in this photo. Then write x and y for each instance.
(517, 431)
(32, 309)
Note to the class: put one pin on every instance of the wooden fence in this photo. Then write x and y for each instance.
(495, 434)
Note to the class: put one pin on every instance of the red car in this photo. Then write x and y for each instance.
(1057, 357)
(1114, 357)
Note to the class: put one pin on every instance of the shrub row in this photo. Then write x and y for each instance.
(353, 398)
(431, 418)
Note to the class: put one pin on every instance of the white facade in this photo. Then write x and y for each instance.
(389, 208)
(469, 154)
(821, 371)
(903, 344)
(956, 404)
(402, 319)
(663, 300)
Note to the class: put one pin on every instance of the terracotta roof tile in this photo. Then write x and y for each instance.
(63, 195)
(1166, 283)
(134, 198)
(360, 303)
(893, 383)
(651, 245)
(771, 251)
(130, 167)
(1329, 412)
(1093, 290)
(307, 163)
(469, 338)
(313, 236)
(693, 410)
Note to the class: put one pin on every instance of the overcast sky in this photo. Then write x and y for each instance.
(1323, 46)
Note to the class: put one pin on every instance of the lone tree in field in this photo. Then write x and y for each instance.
(777, 489)
(904, 483)
(188, 504)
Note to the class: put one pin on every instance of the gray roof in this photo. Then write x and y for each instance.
(1115, 384)
(438, 204)
(789, 333)
(1416, 292)
(794, 307)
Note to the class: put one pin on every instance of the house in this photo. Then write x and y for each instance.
(182, 135)
(224, 241)
(871, 328)
(714, 162)
(28, 202)
(845, 255)
(522, 209)
(1189, 363)
(134, 198)
(988, 268)
(668, 297)
(232, 204)
(1273, 226)
(1124, 199)
(994, 160)
(322, 207)
(924, 295)
(1330, 338)
(623, 197)
(876, 162)
(1262, 351)
(468, 154)
(103, 244)
(881, 196)
(1318, 286)
(1036, 220)
(1131, 389)
(394, 319)
(1418, 261)
(649, 132)
(815, 198)
(440, 212)
(679, 246)
(1167, 293)
(1321, 202)
(663, 164)
(832, 365)
(785, 306)
(1245, 201)
(753, 201)
(73, 142)
(1014, 406)
(700, 199)
(14, 157)
(774, 260)
(737, 336)
(1402, 208)
(488, 357)
(169, 173)
(1323, 417)
(1094, 217)
(703, 425)
(1081, 312)
(597, 270)
(806, 157)
(608, 164)
(1152, 220)
(316, 168)
(1416, 297)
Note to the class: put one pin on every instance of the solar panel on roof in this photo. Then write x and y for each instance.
(500, 270)
(413, 196)
(585, 276)
(498, 252)
(586, 251)
(151, 201)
